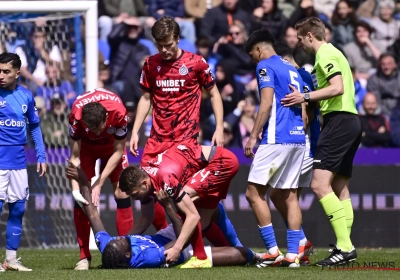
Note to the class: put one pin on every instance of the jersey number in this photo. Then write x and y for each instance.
(293, 81)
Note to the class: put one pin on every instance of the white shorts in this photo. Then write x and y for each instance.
(277, 165)
(306, 172)
(14, 185)
(169, 233)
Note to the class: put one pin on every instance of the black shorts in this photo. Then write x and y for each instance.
(338, 143)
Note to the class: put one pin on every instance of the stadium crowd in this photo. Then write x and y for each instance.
(366, 31)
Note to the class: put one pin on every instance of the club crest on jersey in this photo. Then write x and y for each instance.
(24, 108)
(111, 130)
(183, 70)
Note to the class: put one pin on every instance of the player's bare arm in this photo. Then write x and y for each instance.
(164, 199)
(335, 88)
(187, 207)
(267, 95)
(75, 148)
(216, 103)
(113, 161)
(84, 188)
(145, 219)
(143, 109)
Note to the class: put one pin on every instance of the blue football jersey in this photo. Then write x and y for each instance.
(285, 124)
(313, 129)
(17, 109)
(146, 253)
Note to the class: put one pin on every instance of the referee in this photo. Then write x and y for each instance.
(339, 138)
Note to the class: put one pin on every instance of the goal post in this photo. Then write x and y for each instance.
(89, 8)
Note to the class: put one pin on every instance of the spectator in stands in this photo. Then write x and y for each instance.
(343, 23)
(249, 6)
(325, 7)
(270, 17)
(34, 57)
(395, 125)
(248, 118)
(359, 89)
(176, 10)
(328, 37)
(56, 85)
(54, 124)
(127, 54)
(375, 127)
(196, 9)
(362, 54)
(114, 9)
(395, 48)
(386, 83)
(233, 50)
(216, 21)
(203, 46)
(303, 59)
(386, 27)
(304, 9)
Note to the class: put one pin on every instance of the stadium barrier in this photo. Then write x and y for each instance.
(375, 194)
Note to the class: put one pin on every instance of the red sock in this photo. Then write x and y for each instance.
(214, 234)
(124, 216)
(82, 227)
(197, 243)
(160, 220)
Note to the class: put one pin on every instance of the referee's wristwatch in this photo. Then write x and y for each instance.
(307, 97)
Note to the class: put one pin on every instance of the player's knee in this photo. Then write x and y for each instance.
(16, 210)
(251, 195)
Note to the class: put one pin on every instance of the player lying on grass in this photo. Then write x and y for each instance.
(196, 196)
(147, 251)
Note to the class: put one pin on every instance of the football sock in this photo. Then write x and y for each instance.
(227, 228)
(268, 236)
(303, 238)
(216, 237)
(124, 216)
(334, 210)
(197, 243)
(14, 228)
(348, 210)
(160, 220)
(82, 227)
(293, 240)
(1, 206)
(250, 255)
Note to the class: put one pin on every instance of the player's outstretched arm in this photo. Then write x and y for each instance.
(75, 148)
(143, 109)
(216, 103)
(145, 219)
(84, 187)
(164, 199)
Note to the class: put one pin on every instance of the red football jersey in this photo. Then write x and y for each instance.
(116, 121)
(176, 88)
(173, 168)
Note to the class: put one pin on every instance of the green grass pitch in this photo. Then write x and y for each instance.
(58, 264)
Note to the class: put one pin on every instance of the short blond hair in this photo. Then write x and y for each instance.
(313, 25)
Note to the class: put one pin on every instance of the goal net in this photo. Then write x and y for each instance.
(50, 38)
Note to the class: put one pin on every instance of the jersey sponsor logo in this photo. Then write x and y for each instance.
(297, 130)
(262, 72)
(170, 191)
(111, 130)
(306, 89)
(12, 123)
(24, 108)
(329, 67)
(265, 79)
(3, 104)
(183, 70)
(208, 71)
(182, 147)
(170, 85)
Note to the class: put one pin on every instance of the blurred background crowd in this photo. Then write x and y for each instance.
(366, 31)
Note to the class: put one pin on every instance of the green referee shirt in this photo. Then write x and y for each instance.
(329, 62)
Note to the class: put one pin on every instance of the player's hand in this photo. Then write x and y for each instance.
(172, 255)
(218, 138)
(163, 198)
(42, 165)
(248, 150)
(72, 171)
(133, 145)
(293, 98)
(96, 189)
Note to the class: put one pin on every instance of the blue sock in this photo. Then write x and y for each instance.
(1, 206)
(293, 240)
(250, 255)
(227, 228)
(268, 236)
(14, 224)
(302, 234)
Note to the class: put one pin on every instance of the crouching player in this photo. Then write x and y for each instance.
(170, 171)
(145, 251)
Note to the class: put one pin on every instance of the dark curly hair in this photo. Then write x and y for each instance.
(130, 178)
(112, 258)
